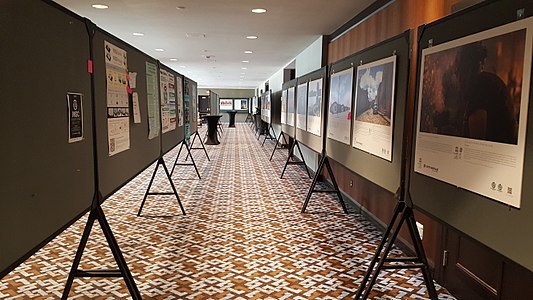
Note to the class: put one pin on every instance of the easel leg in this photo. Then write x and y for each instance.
(203, 146)
(124, 272)
(150, 186)
(303, 159)
(192, 160)
(313, 185)
(336, 187)
(275, 146)
(192, 145)
(173, 187)
(291, 153)
(177, 157)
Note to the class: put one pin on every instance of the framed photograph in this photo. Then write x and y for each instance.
(226, 104)
(314, 106)
(340, 106)
(472, 111)
(374, 107)
(240, 104)
(284, 107)
(301, 106)
(291, 106)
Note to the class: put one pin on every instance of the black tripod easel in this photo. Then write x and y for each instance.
(249, 118)
(324, 162)
(268, 134)
(97, 214)
(160, 162)
(192, 163)
(291, 156)
(282, 134)
(197, 148)
(403, 213)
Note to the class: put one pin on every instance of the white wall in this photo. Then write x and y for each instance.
(310, 59)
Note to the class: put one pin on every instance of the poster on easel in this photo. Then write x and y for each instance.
(168, 101)
(75, 120)
(291, 107)
(152, 100)
(374, 106)
(314, 106)
(340, 106)
(301, 106)
(472, 111)
(172, 100)
(118, 109)
(284, 107)
(179, 101)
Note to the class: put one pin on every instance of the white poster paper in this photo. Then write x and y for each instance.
(240, 104)
(340, 106)
(291, 106)
(301, 106)
(179, 101)
(152, 100)
(284, 107)
(132, 78)
(314, 107)
(75, 118)
(136, 109)
(374, 107)
(118, 131)
(226, 104)
(472, 111)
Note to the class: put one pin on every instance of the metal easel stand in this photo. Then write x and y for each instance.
(312, 189)
(97, 214)
(174, 192)
(197, 148)
(192, 163)
(277, 142)
(403, 213)
(249, 118)
(291, 156)
(268, 134)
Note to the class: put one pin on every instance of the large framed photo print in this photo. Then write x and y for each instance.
(301, 106)
(340, 106)
(290, 106)
(226, 104)
(472, 111)
(314, 106)
(374, 106)
(284, 107)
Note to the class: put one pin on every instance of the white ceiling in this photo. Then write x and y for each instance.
(287, 28)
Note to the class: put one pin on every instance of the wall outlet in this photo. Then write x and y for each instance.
(351, 183)
(420, 230)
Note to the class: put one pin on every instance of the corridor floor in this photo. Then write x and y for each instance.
(242, 237)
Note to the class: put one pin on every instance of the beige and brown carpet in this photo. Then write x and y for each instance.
(242, 238)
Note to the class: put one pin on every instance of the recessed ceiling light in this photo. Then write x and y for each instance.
(159, 50)
(259, 10)
(245, 61)
(251, 37)
(180, 7)
(244, 68)
(173, 59)
(183, 67)
(138, 34)
(248, 52)
(100, 6)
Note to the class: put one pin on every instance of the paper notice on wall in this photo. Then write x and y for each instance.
(75, 120)
(171, 104)
(136, 109)
(179, 100)
(163, 90)
(152, 100)
(117, 98)
(132, 79)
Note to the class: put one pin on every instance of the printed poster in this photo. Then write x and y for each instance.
(168, 101)
(314, 107)
(226, 104)
(284, 107)
(472, 111)
(340, 106)
(240, 104)
(374, 106)
(291, 107)
(153, 100)
(301, 106)
(136, 109)
(118, 124)
(179, 106)
(75, 119)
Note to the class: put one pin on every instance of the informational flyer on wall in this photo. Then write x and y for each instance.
(291, 106)
(374, 106)
(254, 105)
(226, 104)
(314, 107)
(168, 101)
(118, 121)
(75, 117)
(179, 101)
(340, 106)
(240, 104)
(267, 107)
(301, 106)
(284, 107)
(472, 111)
(153, 100)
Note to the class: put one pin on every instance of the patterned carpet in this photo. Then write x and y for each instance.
(242, 238)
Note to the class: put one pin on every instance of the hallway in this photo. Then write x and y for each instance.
(242, 238)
